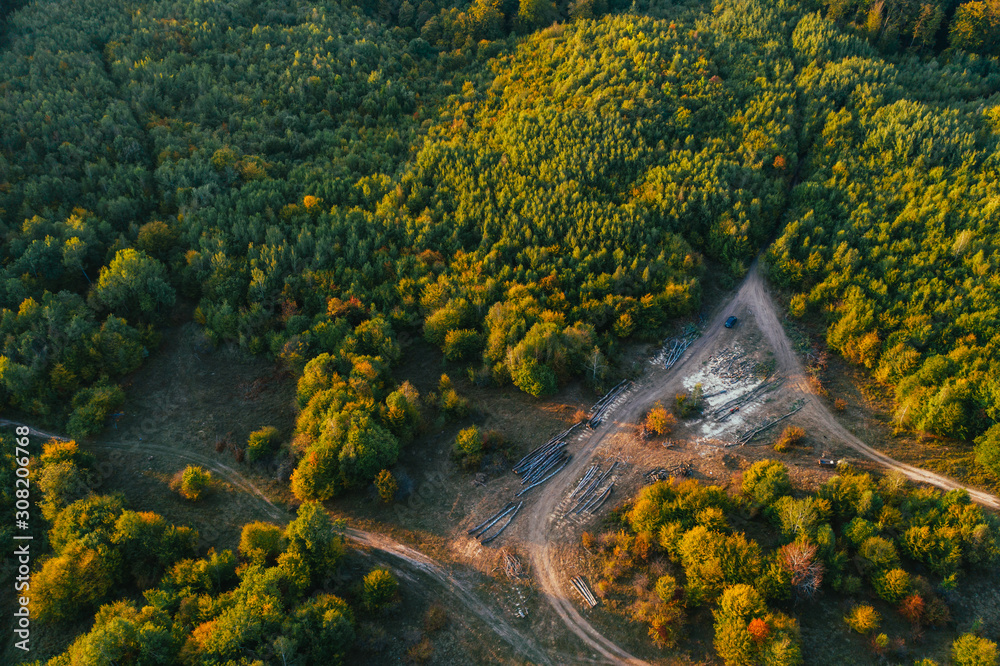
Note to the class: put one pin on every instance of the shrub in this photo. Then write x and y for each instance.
(687, 405)
(435, 619)
(863, 619)
(91, 407)
(192, 483)
(659, 420)
(840, 404)
(261, 443)
(469, 447)
(422, 652)
(789, 437)
(971, 650)
(453, 405)
(912, 609)
(386, 485)
(379, 589)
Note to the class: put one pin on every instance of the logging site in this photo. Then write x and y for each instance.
(459, 332)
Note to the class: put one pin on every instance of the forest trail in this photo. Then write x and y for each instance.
(752, 299)
(410, 562)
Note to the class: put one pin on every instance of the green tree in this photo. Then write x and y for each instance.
(469, 447)
(192, 482)
(765, 481)
(315, 538)
(380, 588)
(134, 285)
(262, 542)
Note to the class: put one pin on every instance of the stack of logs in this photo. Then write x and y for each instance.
(581, 586)
(511, 565)
(544, 462)
(589, 499)
(601, 406)
(480, 531)
(724, 411)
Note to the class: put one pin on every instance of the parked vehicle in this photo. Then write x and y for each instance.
(731, 322)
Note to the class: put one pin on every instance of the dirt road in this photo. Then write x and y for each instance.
(753, 300)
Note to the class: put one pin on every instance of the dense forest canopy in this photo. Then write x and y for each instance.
(526, 185)
(319, 179)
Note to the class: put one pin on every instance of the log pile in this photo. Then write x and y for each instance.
(581, 586)
(677, 348)
(663, 473)
(487, 539)
(674, 348)
(601, 406)
(589, 499)
(724, 411)
(489, 522)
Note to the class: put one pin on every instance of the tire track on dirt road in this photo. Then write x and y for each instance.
(792, 367)
(754, 297)
(412, 560)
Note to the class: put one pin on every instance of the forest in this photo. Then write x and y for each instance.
(677, 551)
(528, 186)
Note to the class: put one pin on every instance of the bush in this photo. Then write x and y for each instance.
(262, 443)
(435, 619)
(386, 485)
(422, 652)
(687, 405)
(91, 407)
(863, 619)
(379, 589)
(971, 650)
(192, 483)
(469, 447)
(789, 437)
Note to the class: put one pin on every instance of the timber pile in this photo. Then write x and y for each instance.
(486, 540)
(589, 498)
(746, 437)
(581, 586)
(601, 406)
(535, 469)
(489, 522)
(724, 411)
(677, 348)
(664, 473)
(674, 348)
(731, 365)
(548, 447)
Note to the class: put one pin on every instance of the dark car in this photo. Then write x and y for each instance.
(731, 322)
